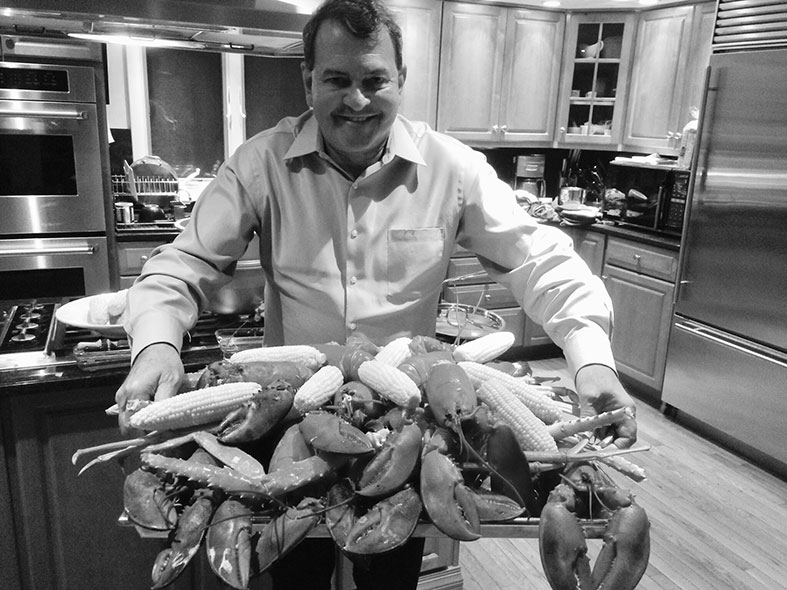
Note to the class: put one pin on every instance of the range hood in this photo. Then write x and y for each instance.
(262, 27)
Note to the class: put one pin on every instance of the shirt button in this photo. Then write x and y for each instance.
(354, 234)
(353, 280)
(355, 186)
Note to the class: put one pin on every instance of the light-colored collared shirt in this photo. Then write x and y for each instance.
(366, 254)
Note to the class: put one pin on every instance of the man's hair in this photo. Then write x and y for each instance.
(362, 18)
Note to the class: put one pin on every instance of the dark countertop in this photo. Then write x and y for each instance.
(635, 234)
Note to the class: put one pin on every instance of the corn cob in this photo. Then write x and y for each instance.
(390, 383)
(193, 408)
(298, 353)
(318, 389)
(395, 351)
(530, 431)
(546, 409)
(485, 348)
(565, 428)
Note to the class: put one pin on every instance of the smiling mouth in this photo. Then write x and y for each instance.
(356, 118)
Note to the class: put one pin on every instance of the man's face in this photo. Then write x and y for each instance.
(355, 91)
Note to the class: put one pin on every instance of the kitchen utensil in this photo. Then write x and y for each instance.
(232, 340)
(150, 213)
(131, 181)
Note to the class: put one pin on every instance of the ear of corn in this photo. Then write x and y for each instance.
(530, 431)
(390, 383)
(543, 407)
(193, 408)
(318, 389)
(298, 353)
(395, 351)
(485, 348)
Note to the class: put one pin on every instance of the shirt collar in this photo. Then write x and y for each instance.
(308, 140)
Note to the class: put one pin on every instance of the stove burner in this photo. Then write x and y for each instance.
(30, 316)
(23, 337)
(26, 325)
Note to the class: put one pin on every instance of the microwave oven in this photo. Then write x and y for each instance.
(654, 198)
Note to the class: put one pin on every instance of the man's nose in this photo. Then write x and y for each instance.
(356, 99)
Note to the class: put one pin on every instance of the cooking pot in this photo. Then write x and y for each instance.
(151, 212)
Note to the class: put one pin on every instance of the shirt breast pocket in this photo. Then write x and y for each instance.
(414, 262)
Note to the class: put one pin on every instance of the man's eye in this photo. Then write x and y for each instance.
(337, 82)
(377, 82)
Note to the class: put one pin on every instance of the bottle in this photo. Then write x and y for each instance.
(688, 140)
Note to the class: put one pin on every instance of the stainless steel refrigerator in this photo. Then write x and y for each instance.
(727, 355)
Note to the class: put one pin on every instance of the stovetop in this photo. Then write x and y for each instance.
(31, 337)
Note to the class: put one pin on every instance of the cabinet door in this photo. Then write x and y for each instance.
(657, 79)
(643, 309)
(420, 23)
(699, 59)
(590, 246)
(596, 61)
(471, 65)
(534, 42)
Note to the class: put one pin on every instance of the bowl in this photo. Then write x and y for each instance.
(243, 294)
(458, 321)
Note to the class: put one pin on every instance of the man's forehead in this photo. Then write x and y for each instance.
(334, 43)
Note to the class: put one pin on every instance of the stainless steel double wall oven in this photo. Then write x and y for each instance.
(53, 187)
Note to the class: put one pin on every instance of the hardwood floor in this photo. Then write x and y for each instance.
(717, 521)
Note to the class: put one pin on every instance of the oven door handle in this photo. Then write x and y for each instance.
(87, 249)
(77, 115)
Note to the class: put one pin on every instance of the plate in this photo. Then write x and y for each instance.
(75, 313)
(465, 322)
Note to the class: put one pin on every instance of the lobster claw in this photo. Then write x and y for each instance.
(448, 502)
(393, 464)
(259, 415)
(561, 543)
(228, 543)
(147, 503)
(287, 530)
(623, 559)
(386, 525)
(186, 541)
(329, 433)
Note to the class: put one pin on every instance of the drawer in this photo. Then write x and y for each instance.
(514, 318)
(132, 258)
(643, 259)
(463, 267)
(488, 296)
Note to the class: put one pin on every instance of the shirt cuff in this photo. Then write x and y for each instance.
(589, 345)
(152, 328)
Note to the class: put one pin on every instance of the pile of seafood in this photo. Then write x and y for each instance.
(370, 442)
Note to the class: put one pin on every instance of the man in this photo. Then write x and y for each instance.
(358, 212)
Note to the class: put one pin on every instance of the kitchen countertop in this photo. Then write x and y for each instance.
(635, 234)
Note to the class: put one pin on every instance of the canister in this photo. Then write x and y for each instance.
(124, 212)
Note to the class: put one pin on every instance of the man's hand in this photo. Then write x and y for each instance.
(600, 390)
(157, 373)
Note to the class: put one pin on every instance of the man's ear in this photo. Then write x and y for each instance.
(306, 75)
(402, 77)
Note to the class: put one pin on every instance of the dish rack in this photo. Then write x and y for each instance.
(145, 187)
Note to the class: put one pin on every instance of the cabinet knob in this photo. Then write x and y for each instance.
(143, 258)
(487, 297)
(637, 257)
(670, 134)
(562, 130)
(604, 278)
(495, 128)
(504, 128)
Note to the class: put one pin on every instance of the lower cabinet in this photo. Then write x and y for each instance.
(641, 282)
(132, 257)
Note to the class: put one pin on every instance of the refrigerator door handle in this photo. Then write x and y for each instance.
(735, 344)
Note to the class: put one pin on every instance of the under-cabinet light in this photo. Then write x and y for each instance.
(138, 41)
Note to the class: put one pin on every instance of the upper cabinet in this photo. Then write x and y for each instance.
(595, 75)
(499, 73)
(672, 52)
(420, 23)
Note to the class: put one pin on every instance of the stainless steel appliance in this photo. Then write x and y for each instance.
(727, 357)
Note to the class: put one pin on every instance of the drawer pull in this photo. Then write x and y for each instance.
(637, 257)
(143, 258)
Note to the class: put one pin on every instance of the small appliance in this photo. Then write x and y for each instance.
(530, 176)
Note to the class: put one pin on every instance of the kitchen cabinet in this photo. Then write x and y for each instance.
(595, 71)
(590, 246)
(499, 73)
(420, 24)
(640, 280)
(672, 51)
(132, 257)
(472, 286)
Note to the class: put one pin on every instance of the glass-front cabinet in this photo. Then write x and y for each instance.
(597, 53)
